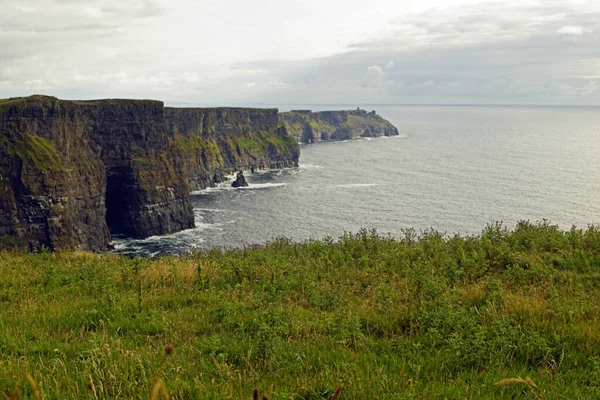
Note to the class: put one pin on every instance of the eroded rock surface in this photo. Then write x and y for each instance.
(74, 172)
(309, 127)
(240, 180)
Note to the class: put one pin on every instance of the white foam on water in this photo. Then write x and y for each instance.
(138, 244)
(258, 186)
(210, 189)
(119, 244)
(200, 226)
(310, 166)
(356, 185)
(252, 186)
(213, 210)
(258, 172)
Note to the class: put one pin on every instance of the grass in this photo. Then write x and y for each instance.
(254, 141)
(261, 139)
(295, 129)
(424, 316)
(34, 151)
(321, 126)
(277, 140)
(195, 143)
(354, 125)
(369, 120)
(5, 104)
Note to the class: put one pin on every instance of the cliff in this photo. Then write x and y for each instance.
(211, 142)
(74, 172)
(308, 127)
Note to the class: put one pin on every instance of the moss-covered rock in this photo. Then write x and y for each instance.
(73, 172)
(210, 143)
(308, 127)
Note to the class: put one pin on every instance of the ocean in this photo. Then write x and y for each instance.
(453, 168)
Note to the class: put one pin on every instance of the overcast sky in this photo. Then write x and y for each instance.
(303, 51)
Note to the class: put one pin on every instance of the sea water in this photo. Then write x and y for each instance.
(453, 169)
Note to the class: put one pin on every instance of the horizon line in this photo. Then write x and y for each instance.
(353, 105)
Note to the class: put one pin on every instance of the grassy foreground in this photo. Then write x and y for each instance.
(424, 316)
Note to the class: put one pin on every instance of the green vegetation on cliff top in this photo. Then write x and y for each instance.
(321, 126)
(34, 151)
(195, 143)
(261, 139)
(7, 103)
(356, 121)
(422, 317)
(363, 121)
(254, 140)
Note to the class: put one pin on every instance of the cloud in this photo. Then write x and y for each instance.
(570, 30)
(373, 76)
(484, 52)
(480, 54)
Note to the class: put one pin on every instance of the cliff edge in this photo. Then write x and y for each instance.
(72, 173)
(309, 127)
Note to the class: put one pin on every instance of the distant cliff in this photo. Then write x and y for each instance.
(308, 127)
(211, 141)
(74, 172)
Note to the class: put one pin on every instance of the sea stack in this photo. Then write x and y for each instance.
(240, 180)
(74, 173)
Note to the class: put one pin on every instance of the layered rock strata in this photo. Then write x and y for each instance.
(74, 172)
(309, 127)
(213, 142)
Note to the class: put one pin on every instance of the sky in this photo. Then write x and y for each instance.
(235, 52)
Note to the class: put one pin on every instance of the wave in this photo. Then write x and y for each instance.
(310, 166)
(257, 186)
(226, 186)
(123, 243)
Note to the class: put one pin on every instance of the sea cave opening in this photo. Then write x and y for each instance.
(117, 199)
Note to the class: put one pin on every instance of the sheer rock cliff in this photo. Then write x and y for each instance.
(309, 127)
(213, 142)
(74, 172)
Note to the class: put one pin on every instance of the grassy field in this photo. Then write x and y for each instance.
(420, 317)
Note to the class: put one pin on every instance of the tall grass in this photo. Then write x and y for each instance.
(420, 316)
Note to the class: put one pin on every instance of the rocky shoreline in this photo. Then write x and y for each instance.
(309, 127)
(72, 173)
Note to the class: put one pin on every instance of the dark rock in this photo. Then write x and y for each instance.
(307, 127)
(210, 142)
(74, 172)
(240, 180)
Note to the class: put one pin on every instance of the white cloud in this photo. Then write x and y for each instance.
(570, 30)
(293, 51)
(374, 71)
(486, 54)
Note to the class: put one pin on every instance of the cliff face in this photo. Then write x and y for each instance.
(212, 142)
(74, 172)
(308, 127)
